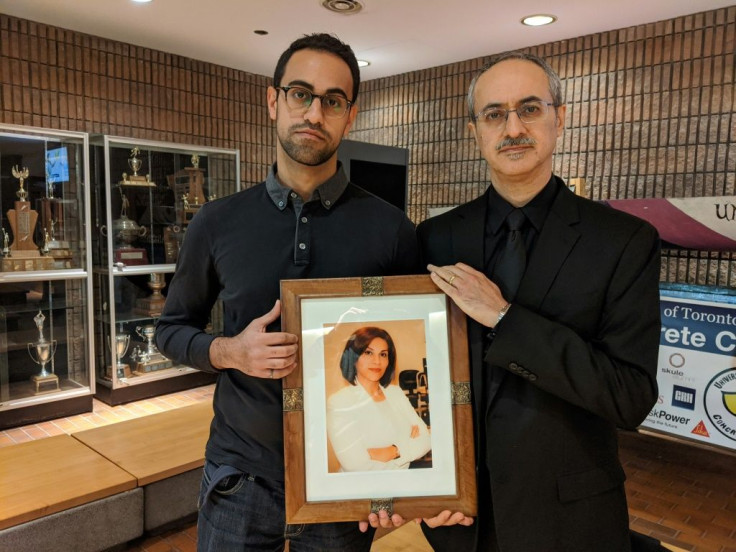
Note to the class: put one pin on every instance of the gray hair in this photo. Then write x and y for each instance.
(555, 85)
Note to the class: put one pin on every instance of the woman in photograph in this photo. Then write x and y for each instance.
(371, 424)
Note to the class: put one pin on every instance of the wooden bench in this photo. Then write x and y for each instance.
(102, 487)
(47, 488)
(164, 452)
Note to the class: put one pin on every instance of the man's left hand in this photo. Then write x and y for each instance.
(471, 290)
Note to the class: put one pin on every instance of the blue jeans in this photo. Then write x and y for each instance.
(243, 512)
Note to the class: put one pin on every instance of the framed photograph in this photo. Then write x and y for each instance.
(378, 414)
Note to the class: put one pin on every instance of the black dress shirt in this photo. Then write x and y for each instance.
(498, 209)
(238, 248)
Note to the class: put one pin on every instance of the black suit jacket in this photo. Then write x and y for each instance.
(578, 353)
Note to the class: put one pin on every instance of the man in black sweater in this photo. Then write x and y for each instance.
(305, 221)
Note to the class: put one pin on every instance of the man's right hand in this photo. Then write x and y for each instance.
(447, 518)
(256, 352)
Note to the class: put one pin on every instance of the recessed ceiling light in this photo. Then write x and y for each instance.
(142, 1)
(538, 20)
(363, 63)
(344, 7)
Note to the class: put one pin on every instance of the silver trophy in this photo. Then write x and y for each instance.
(147, 333)
(122, 341)
(42, 351)
(150, 359)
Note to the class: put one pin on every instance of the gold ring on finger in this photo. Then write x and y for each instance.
(271, 376)
(452, 279)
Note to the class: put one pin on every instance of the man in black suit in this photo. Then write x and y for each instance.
(562, 353)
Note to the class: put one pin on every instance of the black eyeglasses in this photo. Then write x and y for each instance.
(528, 112)
(298, 98)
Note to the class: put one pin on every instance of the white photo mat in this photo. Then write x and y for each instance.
(319, 316)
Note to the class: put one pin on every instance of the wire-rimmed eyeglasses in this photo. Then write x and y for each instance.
(528, 113)
(298, 98)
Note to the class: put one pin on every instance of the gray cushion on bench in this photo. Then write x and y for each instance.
(91, 527)
(171, 499)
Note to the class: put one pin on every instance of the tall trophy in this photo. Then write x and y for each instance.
(154, 303)
(42, 351)
(136, 179)
(52, 216)
(58, 249)
(150, 359)
(188, 186)
(24, 252)
(122, 342)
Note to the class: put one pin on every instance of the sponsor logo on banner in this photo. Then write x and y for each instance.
(720, 402)
(683, 397)
(696, 368)
(668, 419)
(700, 429)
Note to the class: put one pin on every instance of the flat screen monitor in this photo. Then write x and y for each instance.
(57, 166)
(380, 170)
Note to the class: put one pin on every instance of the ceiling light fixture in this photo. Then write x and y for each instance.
(537, 20)
(363, 63)
(344, 7)
(142, 1)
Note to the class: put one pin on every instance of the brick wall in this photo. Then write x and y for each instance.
(650, 111)
(55, 78)
(650, 114)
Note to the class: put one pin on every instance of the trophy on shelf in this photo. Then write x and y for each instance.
(42, 351)
(188, 186)
(154, 303)
(52, 221)
(150, 359)
(125, 232)
(59, 250)
(136, 179)
(23, 253)
(122, 341)
(6, 244)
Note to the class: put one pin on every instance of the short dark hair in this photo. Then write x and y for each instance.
(356, 346)
(321, 42)
(555, 85)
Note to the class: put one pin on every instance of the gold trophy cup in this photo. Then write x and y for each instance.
(136, 179)
(154, 303)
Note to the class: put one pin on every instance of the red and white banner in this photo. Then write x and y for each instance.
(705, 223)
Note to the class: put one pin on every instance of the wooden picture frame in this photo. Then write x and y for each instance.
(371, 301)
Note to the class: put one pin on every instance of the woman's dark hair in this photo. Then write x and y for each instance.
(321, 42)
(357, 344)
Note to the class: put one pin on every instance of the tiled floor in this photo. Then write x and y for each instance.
(679, 493)
(103, 414)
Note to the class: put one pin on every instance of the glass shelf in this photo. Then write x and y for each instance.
(144, 195)
(46, 355)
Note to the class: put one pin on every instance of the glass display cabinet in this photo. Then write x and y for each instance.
(144, 195)
(45, 280)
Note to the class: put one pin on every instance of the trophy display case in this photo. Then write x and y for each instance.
(144, 195)
(45, 278)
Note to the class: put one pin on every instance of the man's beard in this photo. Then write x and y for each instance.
(305, 154)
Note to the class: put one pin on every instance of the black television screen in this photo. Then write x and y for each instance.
(384, 180)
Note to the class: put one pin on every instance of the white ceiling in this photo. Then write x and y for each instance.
(396, 36)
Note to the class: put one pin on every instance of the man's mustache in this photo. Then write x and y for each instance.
(511, 142)
(307, 126)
